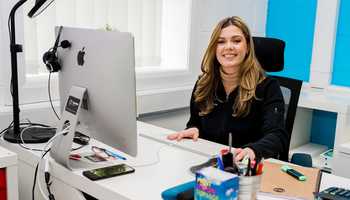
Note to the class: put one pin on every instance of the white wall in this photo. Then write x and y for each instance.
(206, 14)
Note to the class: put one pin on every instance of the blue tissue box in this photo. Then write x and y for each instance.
(215, 184)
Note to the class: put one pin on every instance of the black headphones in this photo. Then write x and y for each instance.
(50, 58)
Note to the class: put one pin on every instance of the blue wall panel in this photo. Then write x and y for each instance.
(323, 128)
(341, 67)
(293, 21)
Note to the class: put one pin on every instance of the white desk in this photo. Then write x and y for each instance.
(329, 180)
(202, 147)
(146, 183)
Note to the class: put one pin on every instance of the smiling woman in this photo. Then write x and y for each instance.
(234, 96)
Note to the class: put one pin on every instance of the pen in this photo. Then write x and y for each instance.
(294, 173)
(259, 169)
(74, 157)
(219, 161)
(248, 168)
(254, 165)
(230, 142)
(115, 155)
(242, 168)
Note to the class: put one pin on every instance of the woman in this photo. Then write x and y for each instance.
(233, 95)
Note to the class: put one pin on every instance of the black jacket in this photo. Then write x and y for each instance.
(262, 130)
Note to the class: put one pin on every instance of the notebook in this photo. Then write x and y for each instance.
(276, 184)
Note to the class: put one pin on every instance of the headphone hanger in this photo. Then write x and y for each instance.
(58, 38)
(50, 58)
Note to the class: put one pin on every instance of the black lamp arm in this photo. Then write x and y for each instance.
(15, 48)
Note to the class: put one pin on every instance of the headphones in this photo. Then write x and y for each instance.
(50, 58)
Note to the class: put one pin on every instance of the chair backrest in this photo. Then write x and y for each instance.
(302, 159)
(270, 53)
(291, 91)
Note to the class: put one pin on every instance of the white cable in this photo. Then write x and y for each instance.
(29, 127)
(47, 166)
(29, 122)
(151, 163)
(64, 131)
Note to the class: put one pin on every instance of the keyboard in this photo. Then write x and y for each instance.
(334, 193)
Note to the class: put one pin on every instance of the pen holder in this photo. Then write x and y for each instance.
(248, 187)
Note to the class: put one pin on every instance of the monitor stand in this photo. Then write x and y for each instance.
(62, 145)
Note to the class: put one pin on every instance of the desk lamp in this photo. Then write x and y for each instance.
(13, 134)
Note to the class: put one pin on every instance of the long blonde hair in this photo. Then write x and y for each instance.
(250, 73)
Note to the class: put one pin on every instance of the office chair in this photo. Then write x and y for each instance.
(270, 54)
(301, 159)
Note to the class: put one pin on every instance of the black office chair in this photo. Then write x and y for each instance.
(270, 53)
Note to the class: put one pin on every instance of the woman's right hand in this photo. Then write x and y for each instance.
(191, 133)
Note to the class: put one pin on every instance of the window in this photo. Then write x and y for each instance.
(142, 18)
(161, 29)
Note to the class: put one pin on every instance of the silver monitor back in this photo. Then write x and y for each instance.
(108, 74)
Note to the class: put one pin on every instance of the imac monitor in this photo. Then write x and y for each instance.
(103, 62)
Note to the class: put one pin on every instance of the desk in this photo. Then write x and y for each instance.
(146, 183)
(329, 180)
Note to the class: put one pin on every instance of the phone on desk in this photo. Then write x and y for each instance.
(106, 172)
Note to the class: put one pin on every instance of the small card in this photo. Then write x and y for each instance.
(95, 158)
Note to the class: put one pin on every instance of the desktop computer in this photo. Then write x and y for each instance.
(100, 67)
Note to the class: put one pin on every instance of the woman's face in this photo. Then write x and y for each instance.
(231, 48)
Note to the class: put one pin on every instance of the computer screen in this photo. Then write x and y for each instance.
(103, 62)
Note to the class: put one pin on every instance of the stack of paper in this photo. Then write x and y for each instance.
(270, 196)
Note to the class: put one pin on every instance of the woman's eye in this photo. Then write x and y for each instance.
(221, 41)
(237, 41)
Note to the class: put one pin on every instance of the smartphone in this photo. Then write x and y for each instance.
(106, 172)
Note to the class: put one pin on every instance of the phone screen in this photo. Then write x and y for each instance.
(112, 170)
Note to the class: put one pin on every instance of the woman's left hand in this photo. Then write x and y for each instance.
(241, 153)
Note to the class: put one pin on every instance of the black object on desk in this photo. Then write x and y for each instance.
(212, 162)
(81, 138)
(227, 158)
(186, 195)
(334, 193)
